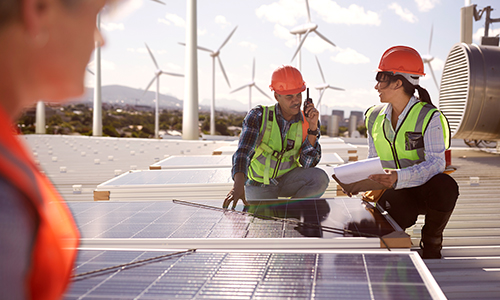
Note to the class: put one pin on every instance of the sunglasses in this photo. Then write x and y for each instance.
(383, 76)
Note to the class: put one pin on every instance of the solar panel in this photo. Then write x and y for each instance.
(254, 275)
(166, 219)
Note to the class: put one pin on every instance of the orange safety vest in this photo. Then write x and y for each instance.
(57, 237)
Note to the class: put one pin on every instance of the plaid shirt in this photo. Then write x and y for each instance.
(309, 156)
(434, 162)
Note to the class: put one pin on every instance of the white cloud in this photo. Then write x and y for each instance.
(349, 56)
(202, 31)
(283, 12)
(404, 13)
(248, 45)
(118, 10)
(173, 19)
(426, 5)
(221, 20)
(112, 26)
(331, 12)
(317, 45)
(480, 33)
(287, 12)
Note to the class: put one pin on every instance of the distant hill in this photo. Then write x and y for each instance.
(124, 95)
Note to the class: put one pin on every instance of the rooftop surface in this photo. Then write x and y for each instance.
(470, 268)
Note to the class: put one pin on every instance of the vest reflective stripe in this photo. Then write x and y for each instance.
(54, 248)
(407, 148)
(270, 159)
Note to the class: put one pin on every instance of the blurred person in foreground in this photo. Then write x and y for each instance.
(279, 147)
(410, 135)
(45, 46)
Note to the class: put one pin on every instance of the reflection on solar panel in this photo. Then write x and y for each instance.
(253, 275)
(165, 219)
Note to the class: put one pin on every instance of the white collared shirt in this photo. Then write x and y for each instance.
(434, 163)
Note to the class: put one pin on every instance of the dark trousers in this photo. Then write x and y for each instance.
(440, 193)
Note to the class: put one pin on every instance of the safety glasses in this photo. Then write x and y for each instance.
(383, 76)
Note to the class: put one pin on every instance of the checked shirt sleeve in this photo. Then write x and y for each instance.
(248, 139)
(310, 154)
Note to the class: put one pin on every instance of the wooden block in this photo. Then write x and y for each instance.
(352, 151)
(353, 158)
(217, 153)
(101, 195)
(396, 239)
(340, 192)
(155, 167)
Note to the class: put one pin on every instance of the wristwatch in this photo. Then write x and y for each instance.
(313, 132)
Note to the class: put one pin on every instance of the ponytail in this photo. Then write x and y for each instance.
(423, 95)
(409, 89)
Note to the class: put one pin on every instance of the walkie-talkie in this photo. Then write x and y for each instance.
(306, 103)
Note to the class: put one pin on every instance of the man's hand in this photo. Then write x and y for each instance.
(388, 180)
(237, 192)
(312, 116)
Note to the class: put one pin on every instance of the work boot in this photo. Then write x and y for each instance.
(432, 233)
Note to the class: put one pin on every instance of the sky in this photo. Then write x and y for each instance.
(361, 31)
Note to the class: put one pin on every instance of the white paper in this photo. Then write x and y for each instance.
(360, 170)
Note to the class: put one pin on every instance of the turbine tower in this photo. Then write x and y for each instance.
(305, 29)
(428, 58)
(250, 85)
(215, 55)
(156, 77)
(322, 87)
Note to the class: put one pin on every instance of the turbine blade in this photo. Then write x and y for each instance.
(430, 39)
(262, 92)
(227, 39)
(300, 45)
(240, 88)
(172, 74)
(199, 47)
(158, 1)
(308, 12)
(223, 72)
(433, 76)
(88, 70)
(204, 49)
(149, 85)
(253, 70)
(152, 57)
(320, 71)
(335, 88)
(320, 96)
(324, 38)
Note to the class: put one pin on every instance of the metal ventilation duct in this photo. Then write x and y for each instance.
(470, 92)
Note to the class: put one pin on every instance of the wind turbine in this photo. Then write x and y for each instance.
(250, 85)
(322, 87)
(305, 29)
(156, 77)
(428, 58)
(215, 55)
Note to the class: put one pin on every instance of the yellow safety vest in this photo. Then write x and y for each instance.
(273, 156)
(407, 149)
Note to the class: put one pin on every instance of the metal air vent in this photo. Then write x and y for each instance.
(470, 92)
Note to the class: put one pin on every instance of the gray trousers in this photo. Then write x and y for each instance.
(298, 183)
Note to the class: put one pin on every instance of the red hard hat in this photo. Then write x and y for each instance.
(287, 80)
(401, 59)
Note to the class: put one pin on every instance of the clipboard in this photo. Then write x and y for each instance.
(360, 186)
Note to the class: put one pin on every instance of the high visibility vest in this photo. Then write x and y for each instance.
(407, 149)
(273, 156)
(57, 237)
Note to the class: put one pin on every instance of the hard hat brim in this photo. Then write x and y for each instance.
(291, 92)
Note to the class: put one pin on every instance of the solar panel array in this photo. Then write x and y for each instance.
(251, 275)
(165, 219)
